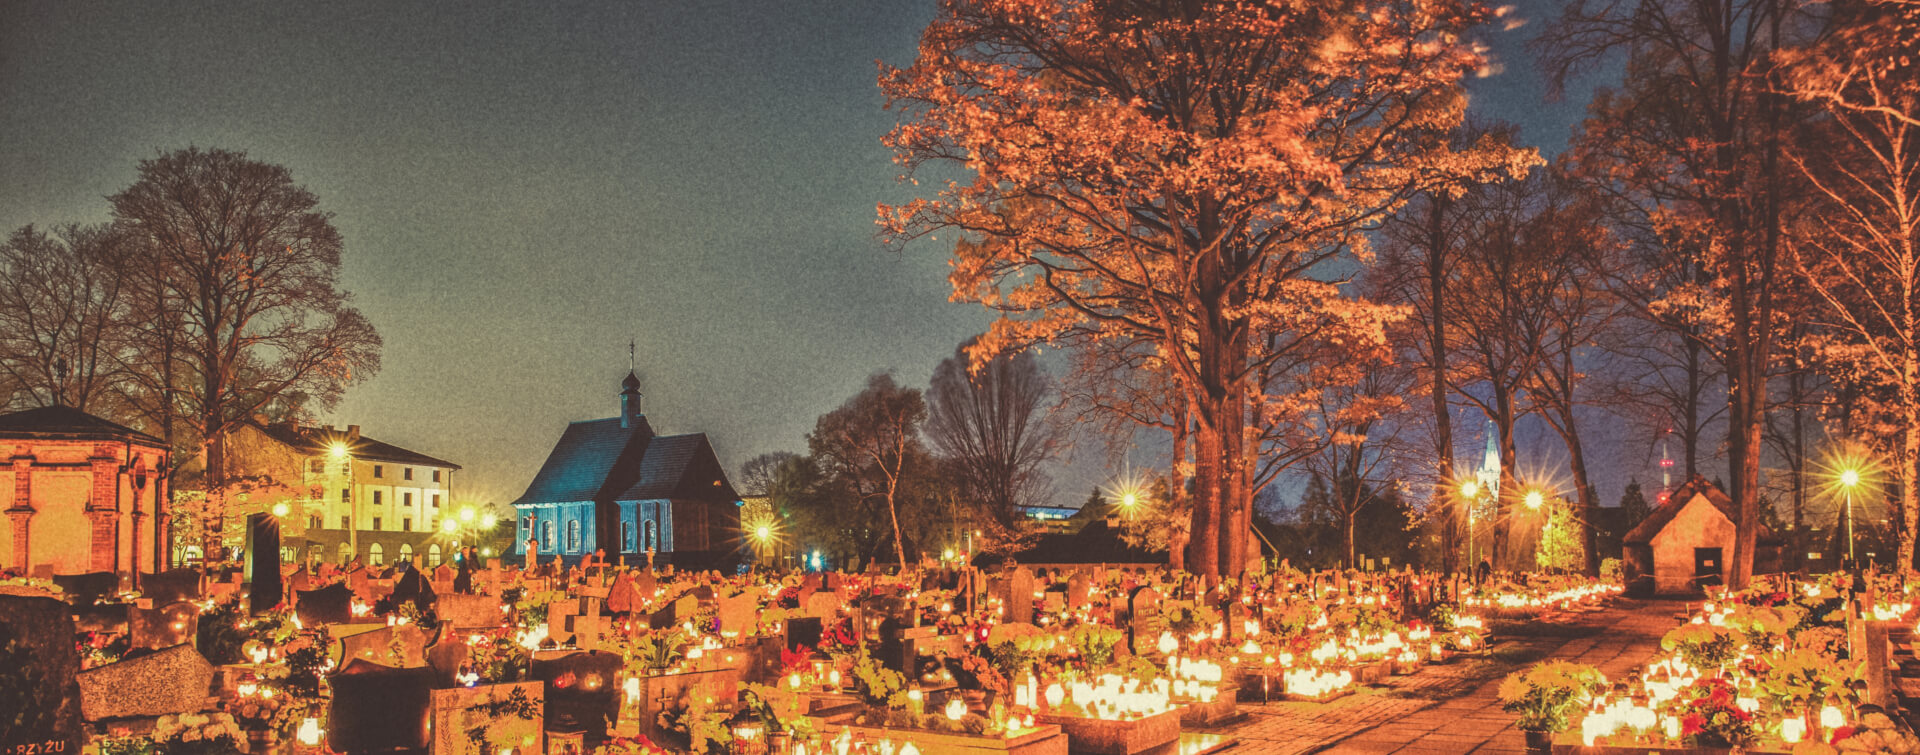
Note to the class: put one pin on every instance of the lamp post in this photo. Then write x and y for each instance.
(343, 455)
(1469, 494)
(1849, 478)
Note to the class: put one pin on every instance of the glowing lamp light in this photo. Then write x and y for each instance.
(338, 450)
(1535, 499)
(1850, 477)
(1832, 718)
(763, 532)
(1168, 644)
(1469, 489)
(1793, 730)
(448, 526)
(956, 709)
(1055, 695)
(281, 509)
(466, 514)
(1129, 499)
(948, 555)
(489, 520)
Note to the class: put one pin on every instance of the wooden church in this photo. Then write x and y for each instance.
(1683, 545)
(614, 485)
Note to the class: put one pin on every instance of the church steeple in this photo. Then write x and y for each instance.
(630, 405)
(1489, 473)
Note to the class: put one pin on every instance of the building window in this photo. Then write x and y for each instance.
(317, 466)
(374, 555)
(345, 523)
(433, 554)
(376, 522)
(376, 498)
(313, 522)
(626, 536)
(436, 475)
(346, 495)
(406, 499)
(436, 500)
(653, 535)
(346, 553)
(573, 535)
(407, 473)
(406, 525)
(406, 551)
(546, 536)
(379, 471)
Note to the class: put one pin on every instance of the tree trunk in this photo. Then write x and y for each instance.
(899, 544)
(1452, 511)
(1177, 493)
(1909, 471)
(1503, 510)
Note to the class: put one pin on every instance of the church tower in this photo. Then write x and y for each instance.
(1489, 473)
(630, 406)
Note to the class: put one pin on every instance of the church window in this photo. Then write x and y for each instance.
(626, 536)
(406, 551)
(573, 535)
(653, 535)
(546, 535)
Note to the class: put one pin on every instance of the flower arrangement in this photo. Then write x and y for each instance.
(1710, 714)
(1545, 695)
(196, 734)
(1703, 646)
(700, 718)
(877, 684)
(1876, 733)
(633, 746)
(100, 648)
(1095, 643)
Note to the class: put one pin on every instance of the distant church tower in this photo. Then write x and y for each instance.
(1666, 470)
(1489, 473)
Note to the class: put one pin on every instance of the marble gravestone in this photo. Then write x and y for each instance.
(1143, 611)
(379, 709)
(170, 681)
(37, 663)
(1020, 597)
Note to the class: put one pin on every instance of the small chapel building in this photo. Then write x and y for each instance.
(1684, 543)
(82, 495)
(615, 485)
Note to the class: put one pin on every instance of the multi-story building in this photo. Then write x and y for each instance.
(352, 495)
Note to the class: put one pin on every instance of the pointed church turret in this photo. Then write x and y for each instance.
(630, 406)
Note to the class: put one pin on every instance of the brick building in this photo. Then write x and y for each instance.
(83, 495)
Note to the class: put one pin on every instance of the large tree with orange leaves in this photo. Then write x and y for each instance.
(1197, 175)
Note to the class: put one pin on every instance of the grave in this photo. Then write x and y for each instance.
(398, 646)
(623, 598)
(37, 662)
(1142, 608)
(469, 611)
(464, 724)
(1019, 597)
(174, 680)
(332, 604)
(88, 589)
(171, 586)
(581, 691)
(379, 709)
(164, 627)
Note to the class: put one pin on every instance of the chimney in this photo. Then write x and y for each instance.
(353, 433)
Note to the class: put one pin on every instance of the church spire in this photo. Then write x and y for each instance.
(630, 404)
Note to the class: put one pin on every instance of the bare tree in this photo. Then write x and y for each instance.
(63, 296)
(990, 420)
(870, 441)
(759, 475)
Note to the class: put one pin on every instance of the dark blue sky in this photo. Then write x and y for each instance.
(524, 186)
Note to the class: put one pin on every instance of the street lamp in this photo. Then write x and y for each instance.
(1535, 499)
(1849, 479)
(1469, 492)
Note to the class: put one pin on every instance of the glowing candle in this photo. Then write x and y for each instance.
(956, 709)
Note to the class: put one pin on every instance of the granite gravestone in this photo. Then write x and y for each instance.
(37, 664)
(582, 693)
(379, 709)
(623, 598)
(163, 627)
(459, 611)
(804, 632)
(264, 590)
(1143, 613)
(332, 604)
(174, 680)
(171, 586)
(1020, 597)
(88, 589)
(399, 646)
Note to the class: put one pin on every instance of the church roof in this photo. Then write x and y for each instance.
(320, 440)
(597, 460)
(1662, 515)
(68, 423)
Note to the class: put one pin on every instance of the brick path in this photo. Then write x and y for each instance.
(1454, 708)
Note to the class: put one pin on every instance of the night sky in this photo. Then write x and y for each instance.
(523, 187)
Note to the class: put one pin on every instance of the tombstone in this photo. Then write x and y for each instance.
(100, 617)
(468, 611)
(559, 617)
(447, 656)
(804, 632)
(458, 711)
(738, 614)
(443, 574)
(170, 681)
(395, 646)
(87, 589)
(622, 598)
(587, 625)
(582, 691)
(645, 586)
(702, 593)
(361, 583)
(1077, 588)
(332, 604)
(825, 605)
(263, 563)
(379, 709)
(1053, 601)
(1142, 609)
(299, 581)
(163, 627)
(171, 586)
(414, 587)
(1020, 597)
(36, 643)
(665, 617)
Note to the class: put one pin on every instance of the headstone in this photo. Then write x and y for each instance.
(559, 617)
(87, 589)
(263, 563)
(460, 712)
(447, 655)
(622, 598)
(1053, 601)
(1142, 608)
(36, 646)
(825, 605)
(737, 614)
(582, 693)
(469, 611)
(645, 585)
(171, 586)
(1020, 597)
(804, 632)
(170, 681)
(587, 625)
(332, 604)
(396, 646)
(379, 709)
(1077, 587)
(163, 627)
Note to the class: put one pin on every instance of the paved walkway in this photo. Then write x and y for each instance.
(1454, 708)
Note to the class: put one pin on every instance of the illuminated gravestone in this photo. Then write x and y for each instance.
(1142, 610)
(737, 614)
(401, 646)
(264, 590)
(623, 598)
(582, 693)
(469, 611)
(487, 719)
(37, 665)
(825, 605)
(163, 627)
(645, 585)
(1020, 596)
(163, 682)
(379, 709)
(1077, 587)
(332, 604)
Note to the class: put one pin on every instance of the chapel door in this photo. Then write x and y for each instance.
(1706, 566)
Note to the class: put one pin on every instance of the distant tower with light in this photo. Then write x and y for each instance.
(1666, 470)
(1489, 473)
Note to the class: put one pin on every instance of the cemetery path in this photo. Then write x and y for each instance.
(1455, 708)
